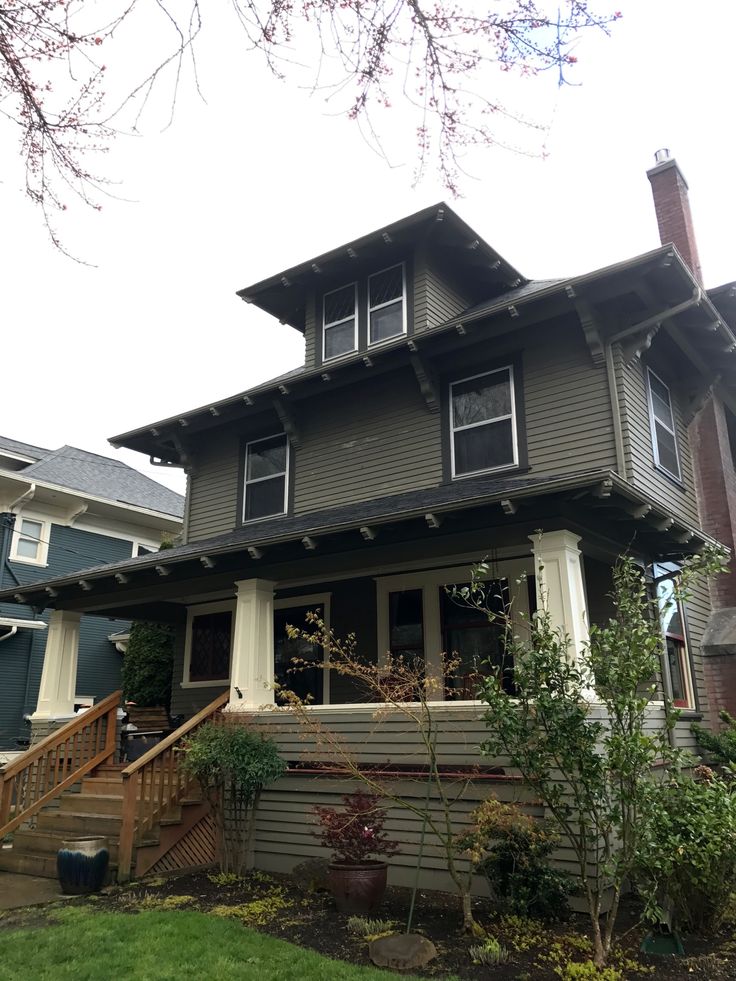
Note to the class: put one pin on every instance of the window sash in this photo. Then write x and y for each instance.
(375, 307)
(503, 417)
(656, 420)
(328, 324)
(281, 475)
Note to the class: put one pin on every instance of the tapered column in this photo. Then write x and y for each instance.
(560, 586)
(59, 676)
(251, 678)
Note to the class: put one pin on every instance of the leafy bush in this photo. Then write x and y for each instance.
(148, 664)
(232, 765)
(687, 853)
(512, 850)
(720, 746)
(355, 833)
(587, 971)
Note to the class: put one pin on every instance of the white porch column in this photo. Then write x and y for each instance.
(252, 668)
(59, 676)
(560, 587)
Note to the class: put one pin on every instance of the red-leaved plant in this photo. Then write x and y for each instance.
(355, 833)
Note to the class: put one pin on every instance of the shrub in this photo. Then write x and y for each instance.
(587, 971)
(148, 665)
(355, 833)
(687, 854)
(489, 952)
(512, 850)
(720, 746)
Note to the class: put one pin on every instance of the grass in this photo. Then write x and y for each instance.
(82, 944)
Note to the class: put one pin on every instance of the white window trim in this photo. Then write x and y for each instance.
(475, 425)
(42, 554)
(336, 323)
(429, 582)
(652, 426)
(380, 306)
(139, 543)
(199, 610)
(259, 480)
(315, 599)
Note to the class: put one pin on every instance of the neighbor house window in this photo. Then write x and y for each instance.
(673, 627)
(483, 423)
(30, 541)
(266, 469)
(340, 321)
(386, 304)
(662, 422)
(209, 640)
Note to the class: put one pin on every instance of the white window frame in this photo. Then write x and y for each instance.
(258, 480)
(475, 425)
(201, 609)
(42, 553)
(429, 581)
(388, 303)
(138, 544)
(653, 428)
(336, 323)
(315, 599)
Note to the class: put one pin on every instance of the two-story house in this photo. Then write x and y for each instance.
(448, 410)
(60, 511)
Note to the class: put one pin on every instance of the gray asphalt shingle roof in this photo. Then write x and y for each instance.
(22, 449)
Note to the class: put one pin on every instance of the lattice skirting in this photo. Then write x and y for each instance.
(195, 849)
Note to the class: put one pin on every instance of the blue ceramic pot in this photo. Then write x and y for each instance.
(82, 865)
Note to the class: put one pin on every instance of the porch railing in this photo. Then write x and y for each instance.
(155, 784)
(50, 767)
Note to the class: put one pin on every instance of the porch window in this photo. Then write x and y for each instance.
(266, 470)
(210, 638)
(306, 678)
(661, 420)
(483, 423)
(386, 304)
(673, 628)
(340, 322)
(30, 541)
(406, 624)
(476, 641)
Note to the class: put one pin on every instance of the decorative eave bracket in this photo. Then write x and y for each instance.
(427, 382)
(592, 330)
(698, 398)
(287, 421)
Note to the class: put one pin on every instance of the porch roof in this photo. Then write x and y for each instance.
(602, 489)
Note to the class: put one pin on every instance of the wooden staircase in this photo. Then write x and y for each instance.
(150, 811)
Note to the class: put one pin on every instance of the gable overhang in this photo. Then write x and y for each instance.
(595, 500)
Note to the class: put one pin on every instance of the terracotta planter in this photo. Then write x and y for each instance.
(357, 888)
(82, 865)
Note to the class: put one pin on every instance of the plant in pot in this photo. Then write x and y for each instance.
(355, 835)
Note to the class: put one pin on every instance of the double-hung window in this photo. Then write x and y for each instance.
(386, 304)
(340, 322)
(483, 423)
(661, 419)
(30, 541)
(266, 477)
(673, 627)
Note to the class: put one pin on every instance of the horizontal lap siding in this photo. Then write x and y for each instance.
(679, 501)
(569, 423)
(366, 442)
(435, 301)
(214, 486)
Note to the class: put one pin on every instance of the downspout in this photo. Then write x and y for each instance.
(12, 632)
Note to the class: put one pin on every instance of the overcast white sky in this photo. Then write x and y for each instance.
(263, 176)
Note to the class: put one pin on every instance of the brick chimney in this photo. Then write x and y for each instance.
(709, 438)
(672, 206)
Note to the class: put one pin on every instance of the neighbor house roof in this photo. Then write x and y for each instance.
(17, 448)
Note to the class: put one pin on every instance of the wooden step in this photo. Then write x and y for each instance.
(71, 825)
(90, 804)
(49, 843)
(42, 864)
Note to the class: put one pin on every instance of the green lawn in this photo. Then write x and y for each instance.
(86, 945)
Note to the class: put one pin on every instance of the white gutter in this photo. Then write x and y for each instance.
(19, 622)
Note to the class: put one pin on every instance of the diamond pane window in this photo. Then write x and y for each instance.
(386, 316)
(266, 469)
(210, 651)
(483, 423)
(664, 437)
(339, 321)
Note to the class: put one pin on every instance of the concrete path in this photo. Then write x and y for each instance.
(26, 890)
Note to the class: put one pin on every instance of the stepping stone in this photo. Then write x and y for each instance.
(402, 952)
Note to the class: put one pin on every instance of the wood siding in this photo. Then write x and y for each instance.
(435, 300)
(213, 487)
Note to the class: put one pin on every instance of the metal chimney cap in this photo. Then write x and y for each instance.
(662, 156)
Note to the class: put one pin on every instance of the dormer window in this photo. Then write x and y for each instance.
(340, 322)
(386, 304)
(266, 478)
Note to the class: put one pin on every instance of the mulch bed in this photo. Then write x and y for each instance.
(276, 905)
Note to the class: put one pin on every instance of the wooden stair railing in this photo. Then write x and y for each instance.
(50, 767)
(154, 784)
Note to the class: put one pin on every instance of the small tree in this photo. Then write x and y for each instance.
(590, 765)
(148, 664)
(233, 764)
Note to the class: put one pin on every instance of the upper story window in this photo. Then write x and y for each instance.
(340, 321)
(664, 438)
(483, 423)
(30, 541)
(386, 304)
(266, 477)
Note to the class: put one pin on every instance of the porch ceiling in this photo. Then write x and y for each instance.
(596, 501)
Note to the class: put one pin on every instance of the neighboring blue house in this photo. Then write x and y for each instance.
(62, 510)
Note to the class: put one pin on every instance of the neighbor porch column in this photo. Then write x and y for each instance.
(560, 586)
(251, 677)
(59, 676)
